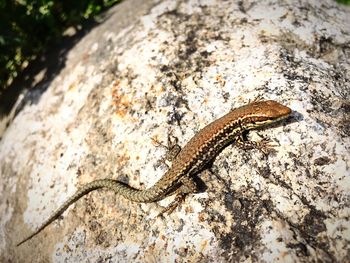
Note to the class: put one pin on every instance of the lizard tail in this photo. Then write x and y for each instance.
(118, 187)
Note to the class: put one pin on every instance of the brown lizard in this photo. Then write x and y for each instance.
(191, 159)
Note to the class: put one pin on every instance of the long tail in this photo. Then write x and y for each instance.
(130, 193)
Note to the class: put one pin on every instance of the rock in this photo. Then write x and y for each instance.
(159, 66)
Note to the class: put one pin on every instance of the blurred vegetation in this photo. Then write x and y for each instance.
(29, 27)
(346, 2)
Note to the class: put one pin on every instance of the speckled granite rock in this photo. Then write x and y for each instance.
(176, 65)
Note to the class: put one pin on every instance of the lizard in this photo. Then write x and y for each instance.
(190, 160)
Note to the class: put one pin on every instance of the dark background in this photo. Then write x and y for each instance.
(31, 29)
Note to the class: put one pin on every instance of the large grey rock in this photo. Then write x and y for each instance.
(178, 65)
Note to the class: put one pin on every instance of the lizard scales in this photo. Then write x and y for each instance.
(198, 152)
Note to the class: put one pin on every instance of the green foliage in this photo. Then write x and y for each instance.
(28, 27)
(345, 2)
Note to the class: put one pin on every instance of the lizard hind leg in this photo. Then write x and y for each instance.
(188, 185)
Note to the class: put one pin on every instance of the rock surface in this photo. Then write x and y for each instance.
(178, 65)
